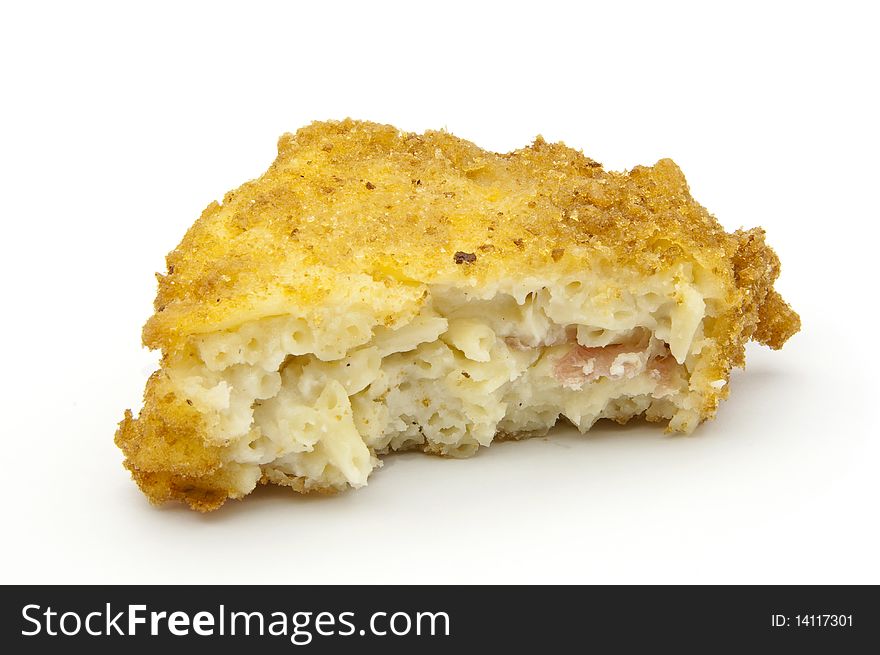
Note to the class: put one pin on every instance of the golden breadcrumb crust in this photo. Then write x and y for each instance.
(408, 210)
(166, 451)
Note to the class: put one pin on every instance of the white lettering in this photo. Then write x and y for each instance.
(154, 621)
(77, 622)
(344, 621)
(178, 624)
(373, 624)
(113, 624)
(298, 625)
(49, 614)
(324, 619)
(94, 633)
(247, 621)
(203, 624)
(397, 615)
(134, 619)
(433, 616)
(280, 622)
(24, 614)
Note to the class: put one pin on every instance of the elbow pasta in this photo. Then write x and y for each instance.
(312, 403)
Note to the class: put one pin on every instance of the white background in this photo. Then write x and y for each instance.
(119, 124)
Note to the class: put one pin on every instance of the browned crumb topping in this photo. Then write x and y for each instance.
(166, 451)
(428, 191)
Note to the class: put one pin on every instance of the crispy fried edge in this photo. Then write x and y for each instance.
(166, 452)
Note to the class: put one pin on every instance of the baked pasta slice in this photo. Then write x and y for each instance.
(377, 291)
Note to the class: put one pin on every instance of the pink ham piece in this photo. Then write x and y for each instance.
(663, 370)
(581, 365)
